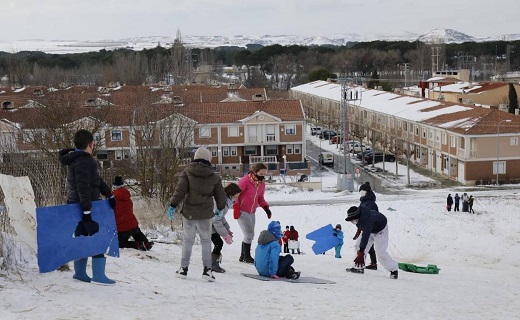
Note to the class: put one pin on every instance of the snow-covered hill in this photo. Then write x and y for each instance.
(139, 43)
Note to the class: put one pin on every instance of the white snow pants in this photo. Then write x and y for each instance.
(380, 242)
(191, 227)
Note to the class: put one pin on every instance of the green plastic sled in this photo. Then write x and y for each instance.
(409, 267)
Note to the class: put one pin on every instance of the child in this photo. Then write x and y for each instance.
(339, 234)
(268, 261)
(221, 228)
(126, 222)
(285, 240)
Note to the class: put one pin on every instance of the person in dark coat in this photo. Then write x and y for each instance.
(368, 199)
(268, 261)
(126, 222)
(449, 202)
(470, 204)
(198, 187)
(84, 185)
(457, 201)
(465, 199)
(374, 227)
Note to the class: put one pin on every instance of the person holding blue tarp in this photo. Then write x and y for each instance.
(84, 185)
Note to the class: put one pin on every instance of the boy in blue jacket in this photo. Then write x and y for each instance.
(268, 261)
(338, 234)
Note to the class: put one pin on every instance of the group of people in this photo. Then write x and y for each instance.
(467, 202)
(290, 240)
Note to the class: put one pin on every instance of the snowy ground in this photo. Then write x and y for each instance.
(479, 257)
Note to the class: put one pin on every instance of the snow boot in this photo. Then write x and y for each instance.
(215, 266)
(356, 270)
(292, 274)
(80, 270)
(182, 273)
(247, 253)
(98, 271)
(241, 259)
(393, 274)
(144, 246)
(208, 275)
(372, 266)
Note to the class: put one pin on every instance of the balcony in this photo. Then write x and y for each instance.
(264, 159)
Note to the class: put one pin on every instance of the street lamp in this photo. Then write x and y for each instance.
(498, 144)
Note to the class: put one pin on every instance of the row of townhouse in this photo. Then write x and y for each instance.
(239, 132)
(466, 143)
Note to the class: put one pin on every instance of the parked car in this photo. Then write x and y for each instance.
(378, 157)
(316, 131)
(326, 159)
(359, 147)
(361, 155)
(327, 134)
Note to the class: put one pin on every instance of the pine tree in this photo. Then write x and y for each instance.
(513, 99)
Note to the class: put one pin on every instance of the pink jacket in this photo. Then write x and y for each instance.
(251, 196)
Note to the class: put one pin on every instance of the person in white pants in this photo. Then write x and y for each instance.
(374, 226)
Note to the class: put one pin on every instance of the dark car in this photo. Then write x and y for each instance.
(327, 134)
(361, 155)
(378, 157)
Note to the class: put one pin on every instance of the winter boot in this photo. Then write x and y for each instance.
(80, 270)
(241, 259)
(372, 266)
(247, 253)
(393, 274)
(292, 274)
(356, 270)
(215, 266)
(98, 271)
(208, 275)
(182, 273)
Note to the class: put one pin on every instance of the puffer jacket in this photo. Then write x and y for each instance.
(369, 200)
(220, 224)
(198, 185)
(370, 221)
(124, 211)
(252, 196)
(267, 254)
(84, 184)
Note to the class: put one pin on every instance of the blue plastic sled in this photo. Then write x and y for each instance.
(325, 240)
(55, 234)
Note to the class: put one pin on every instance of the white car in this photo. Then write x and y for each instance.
(315, 131)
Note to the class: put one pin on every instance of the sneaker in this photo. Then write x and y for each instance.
(393, 274)
(356, 270)
(295, 275)
(182, 273)
(372, 266)
(208, 275)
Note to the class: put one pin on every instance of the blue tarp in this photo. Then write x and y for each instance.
(55, 234)
(325, 239)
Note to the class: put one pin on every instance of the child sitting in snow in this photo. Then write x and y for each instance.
(268, 261)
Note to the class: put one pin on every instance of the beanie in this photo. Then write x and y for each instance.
(365, 187)
(275, 228)
(202, 153)
(118, 181)
(352, 213)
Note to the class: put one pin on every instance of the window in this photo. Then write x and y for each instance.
(271, 133)
(424, 132)
(416, 130)
(225, 151)
(290, 129)
(214, 151)
(297, 148)
(250, 150)
(252, 134)
(119, 154)
(289, 149)
(97, 138)
(116, 135)
(462, 143)
(205, 132)
(452, 141)
(233, 151)
(513, 141)
(444, 138)
(271, 150)
(233, 131)
(501, 167)
(28, 136)
(399, 124)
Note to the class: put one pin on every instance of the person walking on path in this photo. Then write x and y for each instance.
(198, 186)
(251, 197)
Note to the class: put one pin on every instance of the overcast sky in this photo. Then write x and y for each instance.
(116, 19)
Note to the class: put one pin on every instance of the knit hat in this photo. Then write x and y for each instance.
(352, 213)
(275, 228)
(365, 187)
(118, 181)
(202, 153)
(338, 226)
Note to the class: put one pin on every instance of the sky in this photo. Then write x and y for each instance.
(478, 255)
(118, 19)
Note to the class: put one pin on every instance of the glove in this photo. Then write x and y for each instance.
(86, 227)
(236, 211)
(358, 232)
(218, 212)
(274, 276)
(360, 259)
(267, 211)
(171, 213)
(228, 239)
(112, 201)
(230, 232)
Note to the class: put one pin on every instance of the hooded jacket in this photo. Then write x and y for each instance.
(267, 254)
(370, 221)
(252, 195)
(84, 184)
(124, 211)
(369, 200)
(198, 185)
(220, 224)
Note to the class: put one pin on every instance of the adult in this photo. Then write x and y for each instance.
(198, 186)
(449, 202)
(126, 222)
(374, 228)
(465, 199)
(470, 204)
(251, 197)
(368, 199)
(293, 236)
(84, 185)
(457, 202)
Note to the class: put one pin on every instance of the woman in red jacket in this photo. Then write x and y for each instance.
(126, 222)
(293, 235)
